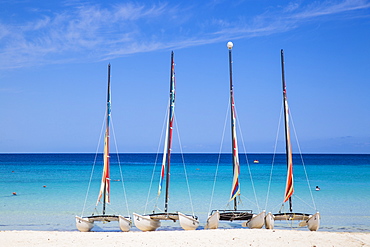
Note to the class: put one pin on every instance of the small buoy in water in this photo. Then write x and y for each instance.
(14, 193)
(44, 186)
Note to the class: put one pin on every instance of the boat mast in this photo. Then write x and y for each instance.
(169, 130)
(289, 189)
(235, 191)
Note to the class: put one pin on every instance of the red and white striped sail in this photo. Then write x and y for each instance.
(164, 161)
(289, 188)
(105, 182)
(168, 139)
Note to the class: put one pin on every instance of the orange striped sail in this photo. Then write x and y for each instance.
(289, 189)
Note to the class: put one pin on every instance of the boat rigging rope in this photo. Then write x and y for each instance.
(274, 154)
(304, 202)
(93, 166)
(219, 158)
(301, 156)
(304, 167)
(120, 168)
(246, 158)
(155, 163)
(184, 165)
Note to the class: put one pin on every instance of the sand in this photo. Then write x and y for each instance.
(219, 237)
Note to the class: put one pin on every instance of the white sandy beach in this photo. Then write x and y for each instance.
(230, 237)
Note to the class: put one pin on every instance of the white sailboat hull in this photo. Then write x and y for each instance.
(84, 224)
(313, 223)
(269, 221)
(145, 223)
(188, 222)
(256, 222)
(213, 220)
(124, 223)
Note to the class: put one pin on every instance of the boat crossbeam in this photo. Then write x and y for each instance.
(168, 216)
(231, 215)
(165, 216)
(292, 216)
(103, 218)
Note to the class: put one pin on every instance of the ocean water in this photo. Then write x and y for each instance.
(52, 188)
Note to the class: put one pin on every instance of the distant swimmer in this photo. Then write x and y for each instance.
(317, 188)
(14, 193)
(44, 186)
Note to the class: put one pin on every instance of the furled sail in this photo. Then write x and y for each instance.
(289, 188)
(163, 169)
(235, 190)
(168, 144)
(105, 182)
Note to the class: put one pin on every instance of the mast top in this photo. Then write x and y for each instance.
(230, 45)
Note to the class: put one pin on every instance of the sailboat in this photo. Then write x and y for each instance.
(312, 221)
(250, 220)
(86, 223)
(150, 222)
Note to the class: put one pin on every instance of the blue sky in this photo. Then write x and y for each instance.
(53, 73)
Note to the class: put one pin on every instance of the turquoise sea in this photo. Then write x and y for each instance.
(51, 188)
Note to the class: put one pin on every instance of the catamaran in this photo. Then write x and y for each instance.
(312, 221)
(250, 220)
(150, 222)
(86, 223)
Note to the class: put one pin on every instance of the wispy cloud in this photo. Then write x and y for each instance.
(67, 35)
(287, 18)
(84, 32)
(328, 8)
